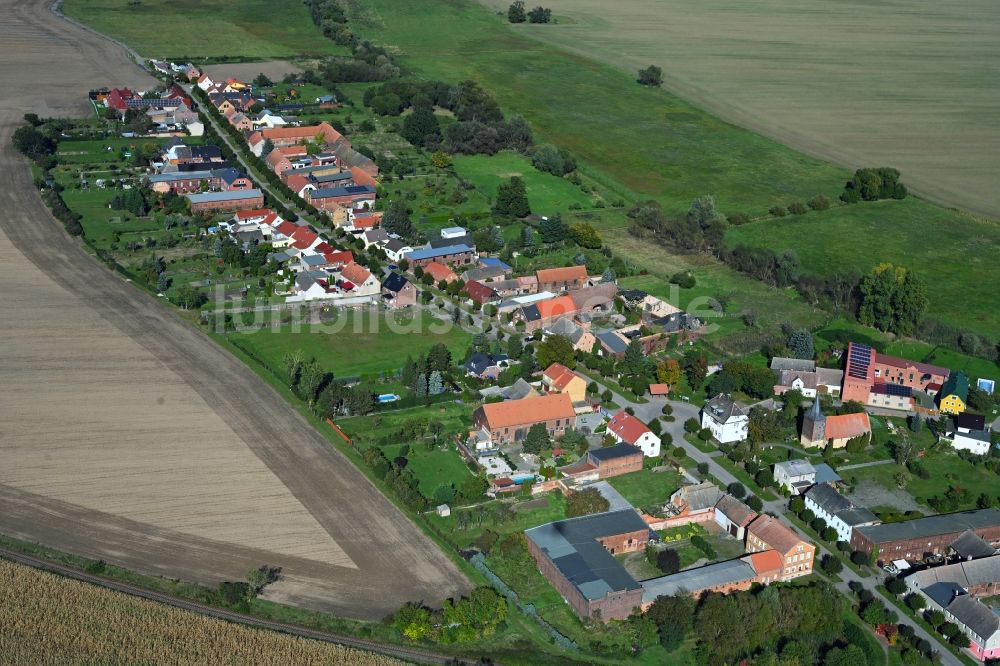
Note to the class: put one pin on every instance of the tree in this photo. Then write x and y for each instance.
(736, 489)
(651, 76)
(435, 385)
(916, 602)
(32, 143)
(539, 15)
(634, 360)
(585, 502)
(800, 343)
(668, 561)
(696, 369)
(413, 621)
(831, 564)
(586, 236)
(555, 349)
(512, 199)
(419, 126)
(851, 655)
(538, 439)
(553, 229)
(669, 372)
(396, 219)
(674, 617)
(439, 357)
(261, 81)
(892, 299)
(516, 13)
(755, 503)
(261, 577)
(550, 159)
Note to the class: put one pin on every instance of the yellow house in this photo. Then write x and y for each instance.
(954, 393)
(557, 378)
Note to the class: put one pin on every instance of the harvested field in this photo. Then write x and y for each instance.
(127, 435)
(801, 72)
(48, 619)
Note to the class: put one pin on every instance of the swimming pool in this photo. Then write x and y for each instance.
(388, 397)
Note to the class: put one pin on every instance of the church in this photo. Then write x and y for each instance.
(820, 430)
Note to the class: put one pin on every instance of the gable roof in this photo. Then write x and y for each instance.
(330, 135)
(559, 376)
(554, 307)
(479, 292)
(970, 421)
(797, 467)
(846, 426)
(860, 362)
(356, 273)
(947, 523)
(628, 427)
(232, 195)
(729, 572)
(774, 533)
(567, 328)
(395, 283)
(925, 368)
(439, 271)
(435, 252)
(780, 363)
(957, 384)
(971, 545)
(828, 499)
(567, 274)
(606, 453)
(976, 615)
(590, 298)
(766, 561)
(736, 511)
(722, 408)
(528, 410)
(613, 341)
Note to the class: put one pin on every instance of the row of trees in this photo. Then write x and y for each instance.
(701, 229)
(516, 13)
(462, 620)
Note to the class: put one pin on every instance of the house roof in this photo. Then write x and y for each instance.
(346, 191)
(549, 308)
(948, 523)
(856, 516)
(573, 547)
(484, 273)
(797, 467)
(597, 296)
(614, 342)
(567, 274)
(970, 421)
(774, 533)
(395, 283)
(234, 195)
(628, 427)
(330, 135)
(559, 376)
(659, 389)
(846, 426)
(528, 410)
(612, 452)
(735, 510)
(439, 271)
(479, 362)
(976, 615)
(252, 213)
(766, 561)
(700, 496)
(694, 580)
(860, 362)
(433, 253)
(971, 545)
(826, 474)
(722, 408)
(519, 389)
(567, 328)
(924, 368)
(339, 257)
(828, 499)
(356, 273)
(479, 292)
(458, 240)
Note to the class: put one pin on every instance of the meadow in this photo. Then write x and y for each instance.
(799, 71)
(178, 29)
(49, 619)
(357, 343)
(954, 254)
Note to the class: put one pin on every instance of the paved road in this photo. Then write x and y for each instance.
(684, 411)
(400, 652)
(46, 67)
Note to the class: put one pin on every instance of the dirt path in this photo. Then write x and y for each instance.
(126, 434)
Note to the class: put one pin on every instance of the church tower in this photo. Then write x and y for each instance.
(814, 426)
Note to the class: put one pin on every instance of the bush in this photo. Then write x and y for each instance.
(683, 279)
(831, 564)
(819, 202)
(797, 208)
(736, 219)
(755, 503)
(651, 76)
(737, 490)
(777, 211)
(860, 558)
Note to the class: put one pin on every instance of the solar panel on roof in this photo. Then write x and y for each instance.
(899, 389)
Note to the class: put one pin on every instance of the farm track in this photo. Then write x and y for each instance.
(127, 435)
(400, 652)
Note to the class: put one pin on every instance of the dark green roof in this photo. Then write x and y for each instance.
(956, 384)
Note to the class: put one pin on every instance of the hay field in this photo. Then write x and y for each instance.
(46, 619)
(912, 85)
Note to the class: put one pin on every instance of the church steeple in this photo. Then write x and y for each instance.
(814, 426)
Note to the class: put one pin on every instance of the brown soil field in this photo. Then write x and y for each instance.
(127, 435)
(46, 619)
(911, 85)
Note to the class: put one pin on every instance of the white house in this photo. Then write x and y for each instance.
(726, 419)
(970, 434)
(733, 516)
(795, 475)
(627, 429)
(453, 232)
(395, 249)
(838, 511)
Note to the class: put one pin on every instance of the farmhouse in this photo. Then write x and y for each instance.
(970, 434)
(577, 556)
(222, 201)
(449, 254)
(322, 134)
(837, 511)
(932, 535)
(542, 313)
(726, 419)
(509, 422)
(561, 279)
(557, 378)
(628, 429)
(768, 533)
(823, 381)
(479, 293)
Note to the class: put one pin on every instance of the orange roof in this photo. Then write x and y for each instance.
(439, 272)
(256, 212)
(367, 221)
(362, 178)
(556, 307)
(339, 257)
(774, 533)
(287, 228)
(766, 561)
(330, 135)
(659, 389)
(528, 411)
(846, 426)
(567, 274)
(628, 427)
(356, 273)
(559, 376)
(291, 151)
(296, 182)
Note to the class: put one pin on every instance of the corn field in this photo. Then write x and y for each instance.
(46, 619)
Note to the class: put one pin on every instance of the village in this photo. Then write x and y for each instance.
(569, 388)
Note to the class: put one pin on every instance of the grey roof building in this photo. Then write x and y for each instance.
(781, 364)
(730, 572)
(828, 499)
(930, 526)
(971, 546)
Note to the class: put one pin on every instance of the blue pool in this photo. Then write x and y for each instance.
(388, 397)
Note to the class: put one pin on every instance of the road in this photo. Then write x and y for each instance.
(398, 651)
(126, 434)
(684, 411)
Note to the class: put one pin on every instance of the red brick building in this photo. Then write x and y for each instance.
(859, 373)
(893, 370)
(224, 201)
(616, 460)
(561, 279)
(914, 539)
(509, 421)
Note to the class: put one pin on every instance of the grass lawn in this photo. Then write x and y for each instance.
(358, 343)
(433, 467)
(547, 194)
(527, 513)
(954, 253)
(179, 29)
(94, 151)
(454, 416)
(646, 487)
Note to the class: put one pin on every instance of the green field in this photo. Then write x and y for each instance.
(647, 487)
(206, 28)
(357, 343)
(547, 194)
(95, 151)
(954, 254)
(433, 468)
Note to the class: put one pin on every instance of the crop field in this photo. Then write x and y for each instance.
(50, 619)
(952, 258)
(206, 28)
(358, 343)
(800, 72)
(547, 194)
